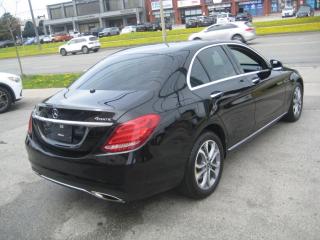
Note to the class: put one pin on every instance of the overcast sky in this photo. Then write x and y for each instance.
(20, 8)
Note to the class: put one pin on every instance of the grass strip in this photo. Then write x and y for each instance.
(49, 80)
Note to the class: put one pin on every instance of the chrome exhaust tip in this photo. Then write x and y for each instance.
(107, 197)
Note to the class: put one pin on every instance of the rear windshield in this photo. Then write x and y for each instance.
(127, 72)
(93, 38)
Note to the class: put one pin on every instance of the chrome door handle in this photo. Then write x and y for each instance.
(255, 80)
(216, 94)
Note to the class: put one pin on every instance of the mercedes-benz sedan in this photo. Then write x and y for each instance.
(153, 118)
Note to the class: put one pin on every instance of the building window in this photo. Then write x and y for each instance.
(87, 8)
(69, 11)
(113, 5)
(132, 3)
(190, 13)
(56, 13)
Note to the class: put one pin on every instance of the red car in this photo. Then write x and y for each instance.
(61, 37)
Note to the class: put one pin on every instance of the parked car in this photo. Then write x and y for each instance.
(305, 11)
(224, 17)
(29, 41)
(204, 21)
(191, 23)
(201, 21)
(240, 31)
(47, 39)
(244, 17)
(61, 37)
(122, 133)
(94, 32)
(81, 44)
(106, 32)
(6, 43)
(156, 26)
(10, 90)
(128, 29)
(287, 12)
(74, 34)
(145, 27)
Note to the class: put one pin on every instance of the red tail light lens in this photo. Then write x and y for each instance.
(132, 134)
(30, 125)
(250, 29)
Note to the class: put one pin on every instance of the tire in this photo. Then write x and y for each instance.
(197, 38)
(63, 52)
(238, 37)
(96, 50)
(5, 100)
(296, 104)
(85, 50)
(194, 184)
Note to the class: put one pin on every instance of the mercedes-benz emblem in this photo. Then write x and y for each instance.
(55, 113)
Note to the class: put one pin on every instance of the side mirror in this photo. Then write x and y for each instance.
(276, 65)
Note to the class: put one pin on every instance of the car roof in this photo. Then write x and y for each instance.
(168, 48)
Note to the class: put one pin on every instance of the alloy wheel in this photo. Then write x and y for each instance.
(297, 101)
(207, 165)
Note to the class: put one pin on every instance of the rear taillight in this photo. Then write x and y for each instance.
(30, 125)
(249, 29)
(132, 134)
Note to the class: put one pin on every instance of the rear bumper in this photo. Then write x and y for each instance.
(249, 36)
(121, 178)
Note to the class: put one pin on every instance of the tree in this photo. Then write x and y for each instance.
(7, 22)
(28, 30)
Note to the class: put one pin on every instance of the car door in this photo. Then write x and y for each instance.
(268, 86)
(225, 92)
(71, 44)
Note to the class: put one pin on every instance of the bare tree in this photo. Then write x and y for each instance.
(11, 27)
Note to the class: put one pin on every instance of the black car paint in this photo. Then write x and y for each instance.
(159, 165)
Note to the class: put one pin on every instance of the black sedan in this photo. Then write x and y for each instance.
(153, 118)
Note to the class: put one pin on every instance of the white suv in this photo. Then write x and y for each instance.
(10, 90)
(83, 44)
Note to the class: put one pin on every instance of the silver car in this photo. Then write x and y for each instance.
(241, 31)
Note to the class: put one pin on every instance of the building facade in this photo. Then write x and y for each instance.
(85, 15)
(178, 11)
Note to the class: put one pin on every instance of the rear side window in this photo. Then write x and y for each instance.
(129, 72)
(228, 26)
(93, 38)
(210, 65)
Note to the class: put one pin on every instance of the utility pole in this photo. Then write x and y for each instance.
(163, 24)
(9, 25)
(34, 25)
(17, 52)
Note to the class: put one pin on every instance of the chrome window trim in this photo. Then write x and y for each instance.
(223, 79)
(75, 123)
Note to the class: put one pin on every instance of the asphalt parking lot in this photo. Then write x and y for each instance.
(270, 187)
